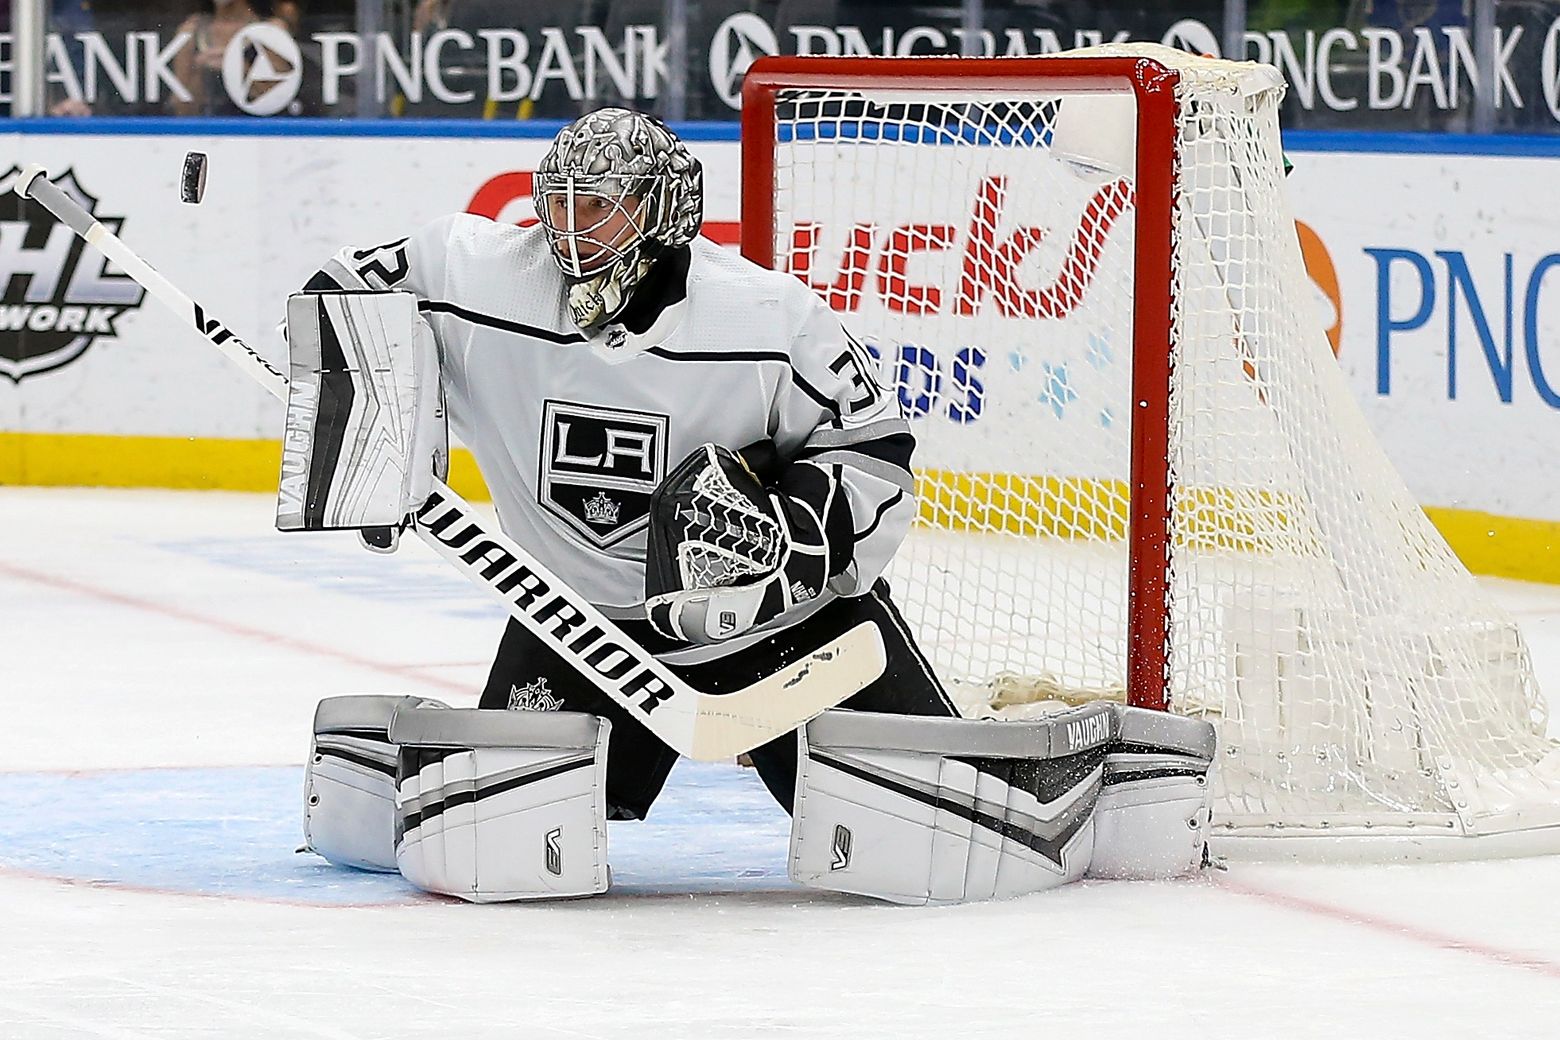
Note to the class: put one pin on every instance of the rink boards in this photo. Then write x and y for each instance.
(1437, 282)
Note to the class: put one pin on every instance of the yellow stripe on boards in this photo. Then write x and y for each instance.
(201, 463)
(1507, 547)
(1501, 546)
(1208, 518)
(1056, 507)
(91, 460)
(1092, 509)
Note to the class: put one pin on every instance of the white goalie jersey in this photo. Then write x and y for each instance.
(573, 434)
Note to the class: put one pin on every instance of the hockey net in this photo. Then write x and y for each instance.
(1142, 473)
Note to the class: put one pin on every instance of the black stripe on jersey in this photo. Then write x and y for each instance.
(720, 355)
(818, 396)
(330, 420)
(881, 512)
(502, 324)
(895, 449)
(840, 524)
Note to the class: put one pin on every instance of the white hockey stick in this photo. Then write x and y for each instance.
(701, 725)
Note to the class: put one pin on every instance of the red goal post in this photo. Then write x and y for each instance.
(1152, 86)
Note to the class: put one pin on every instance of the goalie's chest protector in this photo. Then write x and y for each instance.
(572, 436)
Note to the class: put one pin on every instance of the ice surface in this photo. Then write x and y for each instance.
(162, 654)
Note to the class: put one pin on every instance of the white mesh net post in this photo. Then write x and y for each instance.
(1142, 473)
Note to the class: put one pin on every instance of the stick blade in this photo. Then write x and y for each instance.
(730, 724)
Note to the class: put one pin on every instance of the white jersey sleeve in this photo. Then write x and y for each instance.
(847, 447)
(425, 264)
(415, 264)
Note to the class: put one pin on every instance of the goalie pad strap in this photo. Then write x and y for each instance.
(561, 730)
(1062, 734)
(1153, 814)
(349, 781)
(492, 806)
(1166, 733)
(933, 811)
(365, 428)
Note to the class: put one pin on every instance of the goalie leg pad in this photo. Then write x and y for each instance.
(493, 806)
(921, 810)
(1152, 818)
(349, 782)
(366, 431)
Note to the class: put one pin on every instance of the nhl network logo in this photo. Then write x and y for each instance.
(55, 295)
(601, 510)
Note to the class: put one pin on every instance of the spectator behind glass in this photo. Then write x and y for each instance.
(288, 13)
(70, 18)
(66, 17)
(199, 65)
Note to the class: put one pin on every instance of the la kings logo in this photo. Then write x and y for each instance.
(599, 467)
(533, 696)
(56, 297)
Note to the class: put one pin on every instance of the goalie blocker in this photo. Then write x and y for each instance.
(366, 432)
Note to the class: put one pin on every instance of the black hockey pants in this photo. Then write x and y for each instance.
(527, 673)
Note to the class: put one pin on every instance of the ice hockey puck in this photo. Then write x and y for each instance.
(192, 186)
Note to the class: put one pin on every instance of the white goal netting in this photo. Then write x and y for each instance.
(983, 237)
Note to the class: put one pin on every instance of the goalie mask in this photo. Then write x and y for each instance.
(616, 190)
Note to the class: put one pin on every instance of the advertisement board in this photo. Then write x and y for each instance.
(1427, 65)
(1438, 277)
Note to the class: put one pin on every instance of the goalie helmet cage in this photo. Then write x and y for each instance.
(1142, 472)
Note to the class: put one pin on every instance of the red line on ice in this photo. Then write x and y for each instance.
(1423, 936)
(412, 672)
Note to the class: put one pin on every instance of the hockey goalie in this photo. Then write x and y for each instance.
(698, 447)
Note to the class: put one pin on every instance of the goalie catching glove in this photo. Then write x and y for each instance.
(726, 555)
